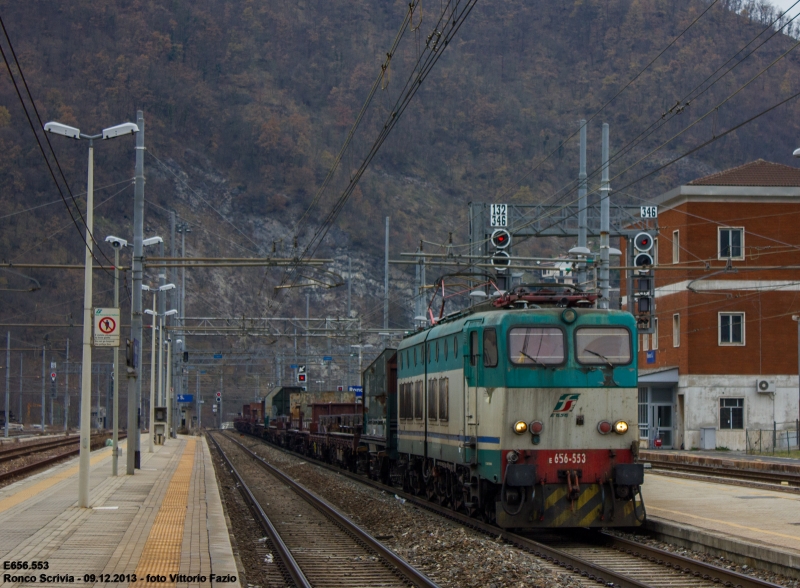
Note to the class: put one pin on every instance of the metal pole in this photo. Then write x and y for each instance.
(151, 415)
(134, 373)
(197, 402)
(8, 382)
(349, 284)
(86, 369)
(20, 388)
(582, 205)
(386, 280)
(44, 411)
(160, 398)
(605, 211)
(115, 424)
(308, 359)
(169, 388)
(66, 391)
(219, 408)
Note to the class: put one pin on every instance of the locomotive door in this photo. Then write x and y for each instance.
(471, 366)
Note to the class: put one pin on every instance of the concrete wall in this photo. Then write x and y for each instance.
(701, 406)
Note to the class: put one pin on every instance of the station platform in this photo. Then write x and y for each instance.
(750, 526)
(164, 522)
(727, 459)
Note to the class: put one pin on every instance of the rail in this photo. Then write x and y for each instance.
(614, 548)
(410, 573)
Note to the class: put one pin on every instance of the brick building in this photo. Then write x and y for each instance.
(727, 283)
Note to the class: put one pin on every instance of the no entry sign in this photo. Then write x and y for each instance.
(106, 327)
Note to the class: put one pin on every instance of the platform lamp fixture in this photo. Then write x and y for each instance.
(154, 314)
(86, 371)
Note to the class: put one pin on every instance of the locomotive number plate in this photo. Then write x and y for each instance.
(568, 458)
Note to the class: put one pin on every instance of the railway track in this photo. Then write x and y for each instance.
(317, 545)
(597, 556)
(780, 479)
(10, 454)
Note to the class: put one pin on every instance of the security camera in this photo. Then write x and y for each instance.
(116, 242)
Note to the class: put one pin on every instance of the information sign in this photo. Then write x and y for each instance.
(106, 327)
(649, 211)
(217, 356)
(356, 389)
(327, 358)
(498, 215)
(651, 357)
(185, 397)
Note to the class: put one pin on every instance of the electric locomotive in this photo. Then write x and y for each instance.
(518, 412)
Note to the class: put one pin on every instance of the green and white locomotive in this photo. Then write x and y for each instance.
(522, 410)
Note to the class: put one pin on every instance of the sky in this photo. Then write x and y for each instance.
(785, 4)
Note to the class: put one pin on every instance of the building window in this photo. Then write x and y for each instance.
(676, 330)
(731, 413)
(645, 342)
(731, 328)
(676, 246)
(654, 337)
(731, 243)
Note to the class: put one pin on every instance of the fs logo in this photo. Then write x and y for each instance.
(565, 405)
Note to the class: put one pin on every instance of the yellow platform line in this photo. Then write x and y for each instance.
(162, 551)
(31, 491)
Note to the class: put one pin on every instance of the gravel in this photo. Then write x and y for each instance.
(714, 560)
(448, 553)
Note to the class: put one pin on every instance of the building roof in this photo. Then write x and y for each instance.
(757, 173)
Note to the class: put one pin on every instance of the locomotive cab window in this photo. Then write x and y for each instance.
(603, 345)
(532, 346)
(473, 348)
(489, 348)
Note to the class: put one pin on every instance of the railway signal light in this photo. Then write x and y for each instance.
(642, 259)
(501, 238)
(643, 242)
(501, 259)
(219, 397)
(301, 378)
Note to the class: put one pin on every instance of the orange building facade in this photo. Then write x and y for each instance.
(721, 368)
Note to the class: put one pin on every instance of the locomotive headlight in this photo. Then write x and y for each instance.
(604, 427)
(620, 427)
(520, 427)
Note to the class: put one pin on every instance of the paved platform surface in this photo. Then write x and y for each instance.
(748, 520)
(166, 520)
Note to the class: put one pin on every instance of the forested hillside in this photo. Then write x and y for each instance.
(247, 104)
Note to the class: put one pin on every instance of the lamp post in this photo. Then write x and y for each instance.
(86, 372)
(117, 244)
(796, 318)
(153, 368)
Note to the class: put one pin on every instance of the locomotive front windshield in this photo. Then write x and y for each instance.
(610, 346)
(536, 346)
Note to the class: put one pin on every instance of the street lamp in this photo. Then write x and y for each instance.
(153, 367)
(86, 371)
(117, 243)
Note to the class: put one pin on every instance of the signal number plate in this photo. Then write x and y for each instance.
(649, 211)
(568, 458)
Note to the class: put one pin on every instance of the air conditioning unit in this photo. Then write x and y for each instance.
(765, 386)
